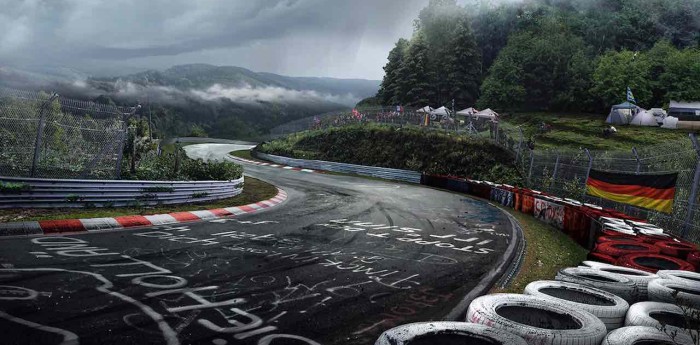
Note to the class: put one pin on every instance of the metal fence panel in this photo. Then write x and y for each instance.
(44, 135)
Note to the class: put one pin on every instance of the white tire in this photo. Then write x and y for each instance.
(447, 332)
(675, 291)
(645, 335)
(614, 283)
(667, 317)
(639, 277)
(537, 320)
(609, 308)
(685, 276)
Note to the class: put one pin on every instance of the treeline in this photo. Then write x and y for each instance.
(550, 55)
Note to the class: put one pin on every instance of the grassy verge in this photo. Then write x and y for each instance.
(548, 250)
(254, 191)
(245, 154)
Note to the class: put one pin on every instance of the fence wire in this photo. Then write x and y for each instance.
(561, 173)
(43, 135)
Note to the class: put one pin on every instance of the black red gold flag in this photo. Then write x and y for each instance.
(655, 192)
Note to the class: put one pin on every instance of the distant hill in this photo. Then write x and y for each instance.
(202, 76)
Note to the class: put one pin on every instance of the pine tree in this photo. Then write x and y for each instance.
(464, 66)
(389, 92)
(417, 77)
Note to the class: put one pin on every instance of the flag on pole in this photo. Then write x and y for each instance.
(630, 96)
(655, 192)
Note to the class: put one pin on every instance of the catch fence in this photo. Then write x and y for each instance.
(564, 172)
(49, 136)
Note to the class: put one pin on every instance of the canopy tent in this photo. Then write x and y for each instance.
(467, 112)
(441, 111)
(425, 110)
(621, 114)
(487, 114)
(644, 118)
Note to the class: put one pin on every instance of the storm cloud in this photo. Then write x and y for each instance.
(339, 38)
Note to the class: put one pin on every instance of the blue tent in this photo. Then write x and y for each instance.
(622, 114)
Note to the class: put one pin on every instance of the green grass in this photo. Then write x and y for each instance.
(575, 131)
(548, 250)
(254, 191)
(245, 154)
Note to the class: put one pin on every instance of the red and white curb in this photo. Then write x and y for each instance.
(272, 165)
(49, 227)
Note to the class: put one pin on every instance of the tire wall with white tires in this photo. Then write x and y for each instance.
(647, 335)
(614, 283)
(537, 320)
(609, 308)
(639, 277)
(447, 332)
(675, 291)
(663, 316)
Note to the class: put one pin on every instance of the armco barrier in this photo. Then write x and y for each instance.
(385, 173)
(51, 193)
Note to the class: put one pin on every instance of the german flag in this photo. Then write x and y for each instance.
(655, 192)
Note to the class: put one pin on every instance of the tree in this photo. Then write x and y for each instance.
(615, 71)
(464, 66)
(417, 76)
(389, 91)
(681, 79)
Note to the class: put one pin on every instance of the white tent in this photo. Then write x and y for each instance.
(659, 114)
(442, 111)
(487, 114)
(425, 110)
(644, 118)
(467, 112)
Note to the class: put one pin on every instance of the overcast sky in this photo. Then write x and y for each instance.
(330, 38)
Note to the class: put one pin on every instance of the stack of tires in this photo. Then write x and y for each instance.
(642, 246)
(593, 304)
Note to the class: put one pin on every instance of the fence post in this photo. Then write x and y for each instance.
(556, 168)
(636, 156)
(694, 187)
(520, 145)
(40, 132)
(532, 162)
(125, 126)
(588, 172)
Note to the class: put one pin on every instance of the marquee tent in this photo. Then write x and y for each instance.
(621, 114)
(442, 111)
(467, 112)
(487, 114)
(644, 118)
(425, 110)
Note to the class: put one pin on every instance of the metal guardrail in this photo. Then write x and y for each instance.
(51, 193)
(385, 173)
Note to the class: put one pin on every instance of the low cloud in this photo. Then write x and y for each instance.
(249, 94)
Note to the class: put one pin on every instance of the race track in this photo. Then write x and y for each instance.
(343, 259)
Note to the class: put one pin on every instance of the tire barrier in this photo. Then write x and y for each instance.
(618, 239)
(595, 256)
(49, 193)
(537, 320)
(614, 283)
(675, 291)
(692, 278)
(645, 335)
(694, 259)
(609, 308)
(662, 316)
(640, 278)
(617, 249)
(427, 333)
(676, 249)
(653, 262)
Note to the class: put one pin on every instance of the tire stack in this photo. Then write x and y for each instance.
(593, 304)
(642, 246)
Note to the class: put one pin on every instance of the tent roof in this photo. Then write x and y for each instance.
(441, 111)
(468, 111)
(425, 109)
(625, 105)
(487, 113)
(644, 118)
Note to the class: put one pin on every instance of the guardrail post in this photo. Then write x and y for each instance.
(636, 156)
(694, 188)
(588, 172)
(40, 132)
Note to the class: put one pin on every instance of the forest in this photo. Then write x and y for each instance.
(547, 55)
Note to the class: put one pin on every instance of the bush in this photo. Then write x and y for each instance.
(164, 168)
(198, 170)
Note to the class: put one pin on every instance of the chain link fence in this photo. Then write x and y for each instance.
(48, 136)
(562, 173)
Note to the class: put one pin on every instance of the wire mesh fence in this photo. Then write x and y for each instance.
(44, 135)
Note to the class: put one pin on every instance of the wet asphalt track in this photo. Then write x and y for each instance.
(343, 259)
